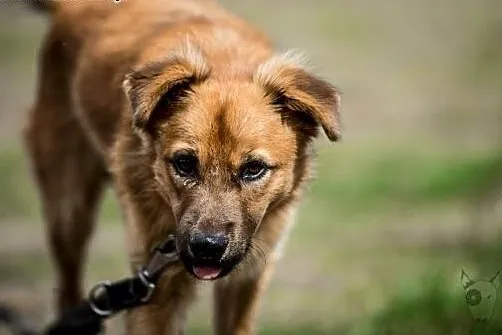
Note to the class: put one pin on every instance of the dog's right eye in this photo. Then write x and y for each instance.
(185, 165)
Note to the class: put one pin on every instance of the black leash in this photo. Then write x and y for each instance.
(108, 298)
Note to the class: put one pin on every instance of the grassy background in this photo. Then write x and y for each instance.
(409, 198)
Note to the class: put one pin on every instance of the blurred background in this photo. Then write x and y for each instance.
(409, 198)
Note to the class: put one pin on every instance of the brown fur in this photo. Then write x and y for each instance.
(125, 86)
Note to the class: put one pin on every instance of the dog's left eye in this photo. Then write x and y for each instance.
(253, 170)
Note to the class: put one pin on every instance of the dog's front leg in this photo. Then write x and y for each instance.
(165, 314)
(237, 300)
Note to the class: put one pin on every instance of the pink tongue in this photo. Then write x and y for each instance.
(206, 272)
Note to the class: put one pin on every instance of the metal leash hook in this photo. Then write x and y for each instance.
(164, 255)
(107, 298)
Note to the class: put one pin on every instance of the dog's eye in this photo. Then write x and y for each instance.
(253, 170)
(185, 165)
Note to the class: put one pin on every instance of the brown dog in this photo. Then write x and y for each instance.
(203, 131)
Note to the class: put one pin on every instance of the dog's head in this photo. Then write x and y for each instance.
(480, 295)
(229, 150)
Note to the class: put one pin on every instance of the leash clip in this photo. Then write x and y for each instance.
(164, 255)
(150, 286)
(100, 291)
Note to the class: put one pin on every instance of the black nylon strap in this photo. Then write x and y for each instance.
(81, 320)
(118, 296)
(122, 295)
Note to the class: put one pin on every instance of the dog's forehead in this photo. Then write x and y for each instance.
(228, 120)
(484, 286)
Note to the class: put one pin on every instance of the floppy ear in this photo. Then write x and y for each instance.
(291, 87)
(157, 88)
(466, 281)
(496, 280)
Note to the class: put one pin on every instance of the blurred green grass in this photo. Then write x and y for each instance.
(18, 197)
(361, 181)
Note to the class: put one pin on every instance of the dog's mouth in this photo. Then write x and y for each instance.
(207, 272)
(204, 270)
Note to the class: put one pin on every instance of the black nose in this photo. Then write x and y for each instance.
(209, 247)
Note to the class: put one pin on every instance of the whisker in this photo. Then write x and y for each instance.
(256, 255)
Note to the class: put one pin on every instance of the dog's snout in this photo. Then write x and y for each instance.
(209, 247)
